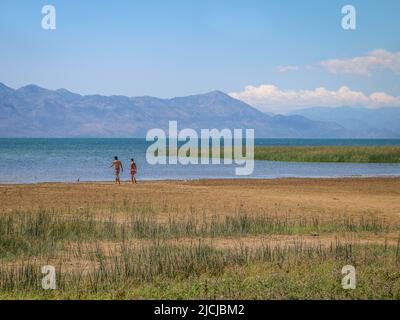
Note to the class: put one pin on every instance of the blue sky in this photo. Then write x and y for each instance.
(176, 48)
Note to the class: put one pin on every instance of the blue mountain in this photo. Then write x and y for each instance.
(32, 111)
(359, 121)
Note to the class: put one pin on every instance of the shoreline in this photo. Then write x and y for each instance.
(127, 181)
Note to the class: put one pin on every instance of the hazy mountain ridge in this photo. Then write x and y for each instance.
(32, 111)
(368, 123)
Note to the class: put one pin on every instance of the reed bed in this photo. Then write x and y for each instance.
(160, 265)
(158, 270)
(357, 154)
(44, 232)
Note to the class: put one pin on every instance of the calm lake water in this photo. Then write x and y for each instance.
(40, 160)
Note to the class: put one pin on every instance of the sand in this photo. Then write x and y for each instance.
(322, 197)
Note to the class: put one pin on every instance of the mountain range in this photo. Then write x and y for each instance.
(32, 111)
(362, 122)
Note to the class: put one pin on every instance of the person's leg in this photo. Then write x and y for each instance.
(117, 177)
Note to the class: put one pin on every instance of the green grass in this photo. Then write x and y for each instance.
(198, 271)
(357, 154)
(43, 232)
(117, 268)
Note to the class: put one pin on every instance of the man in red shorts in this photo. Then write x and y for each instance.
(133, 171)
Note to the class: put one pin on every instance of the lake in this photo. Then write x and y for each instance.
(66, 160)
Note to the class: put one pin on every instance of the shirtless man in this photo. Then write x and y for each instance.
(117, 164)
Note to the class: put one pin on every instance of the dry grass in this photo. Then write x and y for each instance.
(281, 239)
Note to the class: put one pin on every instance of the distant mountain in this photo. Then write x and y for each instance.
(32, 111)
(362, 122)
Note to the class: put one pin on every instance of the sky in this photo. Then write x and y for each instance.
(278, 55)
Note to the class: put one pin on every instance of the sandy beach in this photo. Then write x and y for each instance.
(324, 197)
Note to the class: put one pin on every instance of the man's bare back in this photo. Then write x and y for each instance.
(117, 164)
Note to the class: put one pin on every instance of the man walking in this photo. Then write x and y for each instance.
(117, 164)
(133, 171)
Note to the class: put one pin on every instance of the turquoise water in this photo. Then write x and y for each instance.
(40, 160)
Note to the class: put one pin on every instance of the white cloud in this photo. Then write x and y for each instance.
(282, 69)
(363, 65)
(269, 97)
